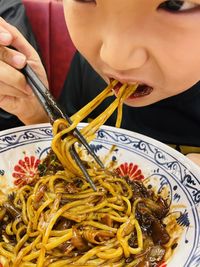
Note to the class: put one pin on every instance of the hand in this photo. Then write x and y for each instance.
(195, 157)
(16, 96)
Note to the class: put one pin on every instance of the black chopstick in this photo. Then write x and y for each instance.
(81, 166)
(53, 110)
(56, 112)
(42, 100)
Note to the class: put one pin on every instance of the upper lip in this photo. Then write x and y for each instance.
(127, 80)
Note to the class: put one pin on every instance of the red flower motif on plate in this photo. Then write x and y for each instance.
(131, 170)
(25, 171)
(163, 264)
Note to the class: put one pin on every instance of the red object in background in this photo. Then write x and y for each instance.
(48, 24)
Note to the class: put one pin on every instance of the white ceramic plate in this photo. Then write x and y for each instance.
(22, 148)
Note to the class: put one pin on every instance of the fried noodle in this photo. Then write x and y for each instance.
(60, 221)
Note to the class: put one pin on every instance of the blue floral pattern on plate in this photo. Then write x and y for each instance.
(160, 163)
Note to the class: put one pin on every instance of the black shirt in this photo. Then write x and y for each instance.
(13, 11)
(175, 120)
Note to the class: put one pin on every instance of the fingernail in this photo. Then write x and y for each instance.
(5, 36)
(19, 60)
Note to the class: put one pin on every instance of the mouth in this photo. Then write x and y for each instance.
(142, 89)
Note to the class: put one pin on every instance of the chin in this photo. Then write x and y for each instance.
(140, 101)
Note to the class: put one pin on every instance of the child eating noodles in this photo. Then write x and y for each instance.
(153, 43)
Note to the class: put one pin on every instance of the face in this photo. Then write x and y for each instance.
(154, 43)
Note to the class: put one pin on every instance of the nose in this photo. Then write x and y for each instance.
(122, 53)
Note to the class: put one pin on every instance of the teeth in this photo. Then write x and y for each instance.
(132, 83)
(142, 89)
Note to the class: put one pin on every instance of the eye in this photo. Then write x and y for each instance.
(178, 6)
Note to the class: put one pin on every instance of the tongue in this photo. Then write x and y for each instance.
(117, 86)
(142, 90)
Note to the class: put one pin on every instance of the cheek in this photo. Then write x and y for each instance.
(188, 67)
(82, 26)
(181, 63)
(73, 22)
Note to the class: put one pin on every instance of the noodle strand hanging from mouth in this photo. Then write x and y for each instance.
(62, 145)
(61, 221)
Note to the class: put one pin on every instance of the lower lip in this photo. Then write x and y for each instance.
(142, 90)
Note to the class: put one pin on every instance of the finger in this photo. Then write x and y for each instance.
(15, 40)
(12, 57)
(194, 157)
(7, 90)
(28, 110)
(12, 104)
(12, 78)
(6, 102)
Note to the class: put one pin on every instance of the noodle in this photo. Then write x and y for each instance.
(62, 145)
(61, 221)
(48, 214)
